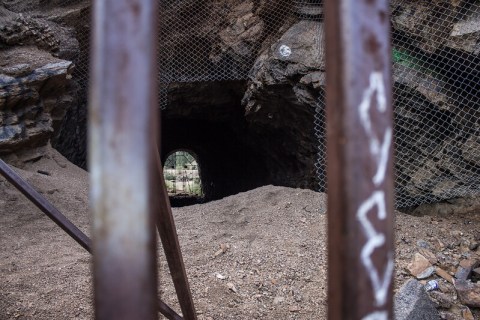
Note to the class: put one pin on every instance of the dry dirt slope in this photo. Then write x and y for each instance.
(273, 267)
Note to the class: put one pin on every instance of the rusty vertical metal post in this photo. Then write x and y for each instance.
(122, 118)
(360, 170)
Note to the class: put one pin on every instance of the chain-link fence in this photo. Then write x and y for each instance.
(436, 48)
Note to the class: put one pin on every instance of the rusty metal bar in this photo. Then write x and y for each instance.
(123, 124)
(171, 246)
(44, 205)
(360, 170)
(168, 312)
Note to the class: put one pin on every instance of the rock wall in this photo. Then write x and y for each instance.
(436, 94)
(38, 84)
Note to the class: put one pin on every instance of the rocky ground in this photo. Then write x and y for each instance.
(256, 255)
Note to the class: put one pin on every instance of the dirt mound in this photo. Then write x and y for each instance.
(256, 255)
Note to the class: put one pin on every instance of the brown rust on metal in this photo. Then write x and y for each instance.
(44, 205)
(360, 170)
(168, 312)
(171, 246)
(122, 124)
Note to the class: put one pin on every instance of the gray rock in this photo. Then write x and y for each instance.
(34, 96)
(468, 293)
(426, 273)
(412, 303)
(442, 300)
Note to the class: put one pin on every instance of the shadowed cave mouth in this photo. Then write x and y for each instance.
(232, 151)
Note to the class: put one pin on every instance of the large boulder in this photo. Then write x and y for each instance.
(286, 87)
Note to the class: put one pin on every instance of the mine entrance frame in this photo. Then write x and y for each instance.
(359, 119)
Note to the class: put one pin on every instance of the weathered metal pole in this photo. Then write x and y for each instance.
(360, 170)
(123, 119)
(44, 205)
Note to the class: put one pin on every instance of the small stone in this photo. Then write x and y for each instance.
(468, 263)
(463, 273)
(441, 299)
(232, 287)
(447, 287)
(223, 248)
(444, 274)
(474, 246)
(418, 265)
(294, 309)
(468, 293)
(278, 300)
(426, 273)
(440, 245)
(422, 244)
(219, 276)
(467, 314)
(429, 255)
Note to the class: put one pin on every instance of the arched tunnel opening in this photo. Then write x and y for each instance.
(181, 172)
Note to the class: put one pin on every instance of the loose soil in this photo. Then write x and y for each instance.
(256, 255)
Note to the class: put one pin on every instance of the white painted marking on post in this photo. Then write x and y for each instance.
(379, 149)
(377, 315)
(375, 240)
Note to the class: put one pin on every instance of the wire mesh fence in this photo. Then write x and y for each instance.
(436, 76)
(436, 92)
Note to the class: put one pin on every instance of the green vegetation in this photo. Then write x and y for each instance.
(413, 60)
(181, 160)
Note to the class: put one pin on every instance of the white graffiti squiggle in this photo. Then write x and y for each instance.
(375, 240)
(378, 315)
(380, 151)
(378, 148)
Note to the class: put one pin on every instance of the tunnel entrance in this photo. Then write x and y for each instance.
(237, 152)
(181, 172)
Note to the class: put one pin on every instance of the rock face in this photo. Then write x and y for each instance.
(37, 65)
(35, 79)
(287, 84)
(432, 25)
(33, 97)
(436, 98)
